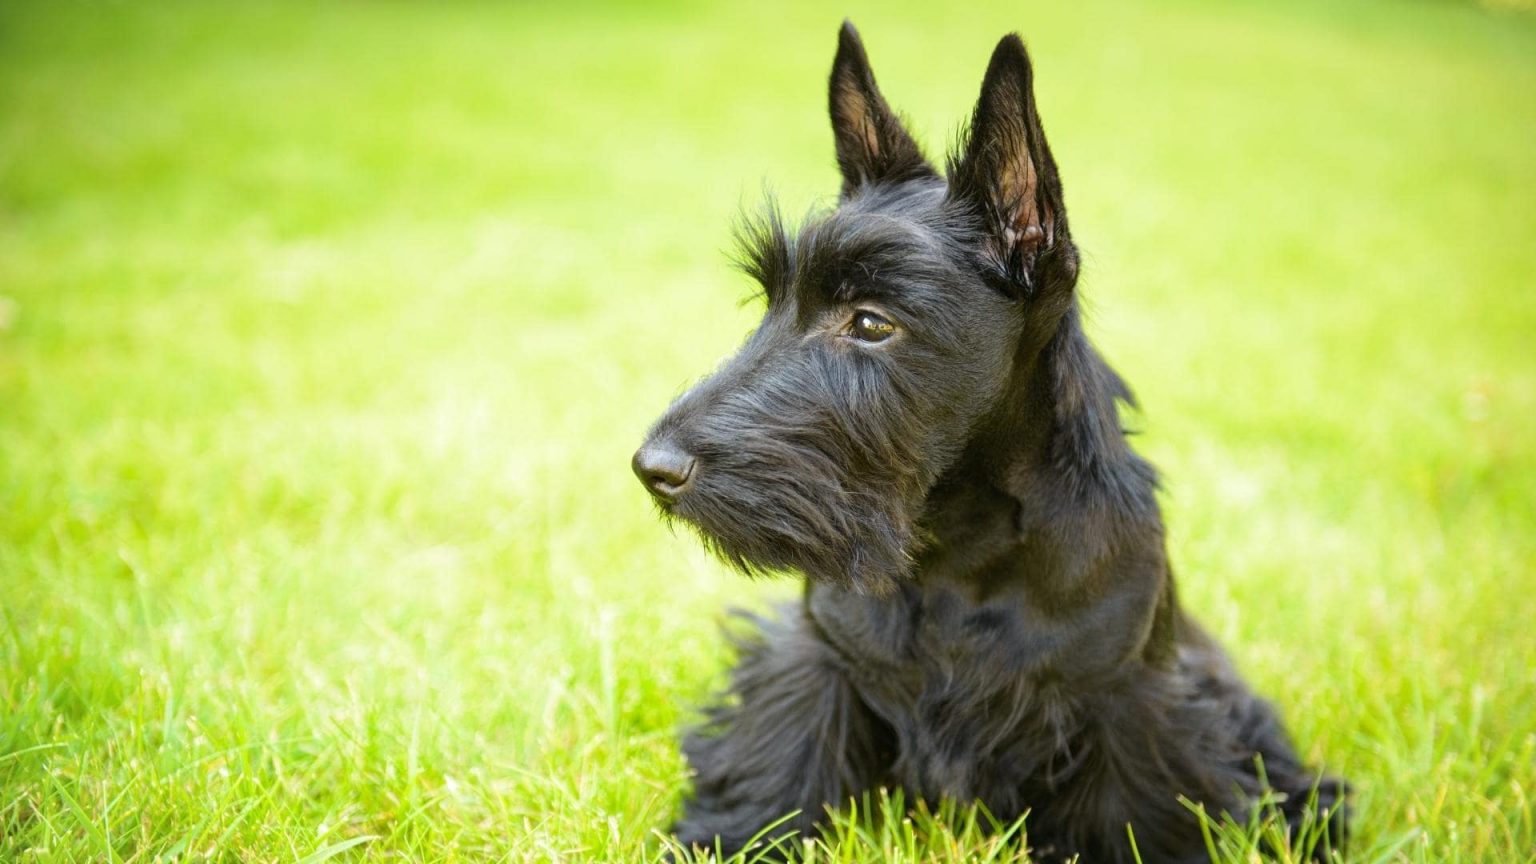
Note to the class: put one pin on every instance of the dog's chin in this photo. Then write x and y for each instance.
(873, 562)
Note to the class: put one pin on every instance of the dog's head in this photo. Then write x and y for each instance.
(893, 324)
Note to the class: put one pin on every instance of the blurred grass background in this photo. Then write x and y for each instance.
(327, 329)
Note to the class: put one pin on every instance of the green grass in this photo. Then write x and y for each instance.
(326, 331)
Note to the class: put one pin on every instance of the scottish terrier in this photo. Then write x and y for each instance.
(921, 429)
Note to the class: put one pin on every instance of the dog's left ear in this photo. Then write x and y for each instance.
(1005, 172)
(872, 144)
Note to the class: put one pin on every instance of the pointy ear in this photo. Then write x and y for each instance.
(1005, 173)
(872, 144)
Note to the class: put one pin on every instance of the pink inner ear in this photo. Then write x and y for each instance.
(853, 112)
(1027, 227)
(871, 137)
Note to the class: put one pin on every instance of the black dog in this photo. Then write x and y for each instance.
(920, 427)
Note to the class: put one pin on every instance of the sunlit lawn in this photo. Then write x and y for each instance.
(326, 332)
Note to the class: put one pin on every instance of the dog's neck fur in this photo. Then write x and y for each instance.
(1048, 489)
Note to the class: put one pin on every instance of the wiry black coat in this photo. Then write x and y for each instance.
(989, 613)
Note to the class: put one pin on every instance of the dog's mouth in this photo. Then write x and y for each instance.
(859, 541)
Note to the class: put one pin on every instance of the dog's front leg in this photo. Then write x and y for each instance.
(789, 738)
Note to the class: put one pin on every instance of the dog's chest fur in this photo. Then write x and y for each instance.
(935, 666)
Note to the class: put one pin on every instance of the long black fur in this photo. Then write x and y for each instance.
(989, 613)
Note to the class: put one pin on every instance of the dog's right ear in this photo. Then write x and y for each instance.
(872, 144)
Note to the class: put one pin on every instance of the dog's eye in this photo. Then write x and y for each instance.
(869, 327)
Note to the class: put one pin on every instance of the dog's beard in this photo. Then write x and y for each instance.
(799, 513)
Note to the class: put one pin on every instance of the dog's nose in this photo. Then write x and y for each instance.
(665, 469)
